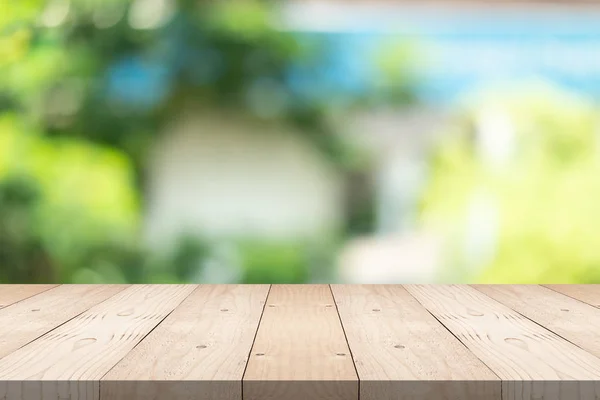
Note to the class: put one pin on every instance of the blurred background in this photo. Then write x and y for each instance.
(163, 141)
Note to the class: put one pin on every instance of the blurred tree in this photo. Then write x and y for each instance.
(58, 200)
(88, 85)
(532, 218)
(113, 70)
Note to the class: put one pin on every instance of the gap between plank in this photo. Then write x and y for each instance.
(254, 340)
(460, 341)
(59, 325)
(140, 341)
(30, 297)
(569, 296)
(346, 337)
(535, 322)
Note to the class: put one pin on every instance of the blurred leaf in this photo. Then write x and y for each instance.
(86, 86)
(547, 197)
(274, 263)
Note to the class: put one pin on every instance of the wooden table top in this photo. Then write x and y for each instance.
(296, 342)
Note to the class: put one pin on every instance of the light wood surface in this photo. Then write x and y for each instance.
(10, 294)
(396, 341)
(300, 350)
(587, 293)
(29, 319)
(202, 347)
(571, 319)
(69, 361)
(533, 362)
(292, 342)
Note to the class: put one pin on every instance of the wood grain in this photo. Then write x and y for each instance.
(68, 362)
(300, 351)
(234, 342)
(10, 294)
(199, 352)
(533, 363)
(571, 319)
(29, 319)
(587, 293)
(402, 352)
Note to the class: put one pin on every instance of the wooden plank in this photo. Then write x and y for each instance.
(29, 319)
(10, 294)
(533, 363)
(68, 362)
(575, 321)
(402, 352)
(300, 351)
(587, 293)
(199, 352)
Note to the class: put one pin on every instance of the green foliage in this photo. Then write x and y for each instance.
(20, 256)
(396, 63)
(69, 213)
(274, 263)
(285, 262)
(59, 201)
(72, 153)
(547, 197)
(222, 53)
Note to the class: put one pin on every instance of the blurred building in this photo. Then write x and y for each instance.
(223, 175)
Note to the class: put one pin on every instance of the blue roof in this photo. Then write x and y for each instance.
(463, 51)
(458, 52)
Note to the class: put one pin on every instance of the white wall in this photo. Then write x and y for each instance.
(225, 175)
